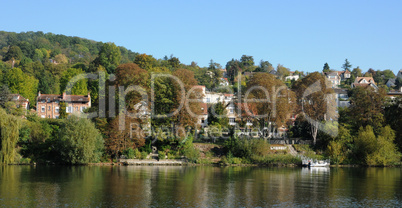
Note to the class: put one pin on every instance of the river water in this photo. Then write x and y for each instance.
(175, 186)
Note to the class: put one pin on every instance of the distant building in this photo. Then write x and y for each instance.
(391, 83)
(342, 98)
(20, 102)
(399, 75)
(334, 78)
(48, 105)
(223, 81)
(364, 82)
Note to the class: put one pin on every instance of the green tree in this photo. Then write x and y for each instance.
(216, 111)
(246, 62)
(9, 134)
(326, 68)
(282, 71)
(80, 142)
(346, 65)
(21, 83)
(264, 66)
(63, 110)
(4, 95)
(109, 57)
(366, 108)
(79, 88)
(232, 69)
(14, 53)
(393, 117)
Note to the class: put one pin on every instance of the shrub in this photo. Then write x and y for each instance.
(144, 155)
(161, 155)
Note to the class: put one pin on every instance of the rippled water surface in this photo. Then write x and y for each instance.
(153, 186)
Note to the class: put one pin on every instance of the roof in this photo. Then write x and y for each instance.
(391, 81)
(364, 85)
(204, 108)
(17, 97)
(67, 98)
(368, 79)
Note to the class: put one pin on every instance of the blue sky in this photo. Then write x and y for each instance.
(301, 35)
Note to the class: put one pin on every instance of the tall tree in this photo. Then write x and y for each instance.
(21, 83)
(246, 62)
(109, 57)
(315, 101)
(14, 52)
(264, 66)
(366, 107)
(80, 142)
(279, 100)
(232, 69)
(346, 65)
(282, 71)
(9, 134)
(4, 95)
(80, 87)
(184, 118)
(326, 68)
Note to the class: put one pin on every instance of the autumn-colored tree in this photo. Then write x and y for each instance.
(123, 135)
(184, 118)
(131, 74)
(277, 101)
(316, 101)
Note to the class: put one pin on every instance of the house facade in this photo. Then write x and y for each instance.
(334, 78)
(48, 105)
(364, 82)
(19, 101)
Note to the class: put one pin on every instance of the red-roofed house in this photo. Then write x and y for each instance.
(364, 82)
(48, 105)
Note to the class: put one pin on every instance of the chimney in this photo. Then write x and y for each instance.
(64, 95)
(38, 93)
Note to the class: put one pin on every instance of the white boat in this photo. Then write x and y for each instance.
(315, 163)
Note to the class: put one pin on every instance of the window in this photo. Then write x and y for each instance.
(57, 117)
(56, 109)
(43, 109)
(231, 120)
(208, 100)
(83, 108)
(231, 110)
(49, 108)
(76, 109)
(69, 109)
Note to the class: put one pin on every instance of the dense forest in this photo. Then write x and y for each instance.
(32, 62)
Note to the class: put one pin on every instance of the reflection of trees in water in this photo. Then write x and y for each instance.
(144, 186)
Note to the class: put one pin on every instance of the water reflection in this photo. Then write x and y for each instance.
(169, 186)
